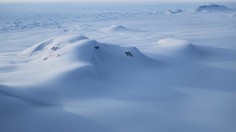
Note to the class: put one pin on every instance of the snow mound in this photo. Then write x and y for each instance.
(212, 7)
(117, 28)
(73, 55)
(174, 42)
(176, 47)
(179, 11)
(79, 48)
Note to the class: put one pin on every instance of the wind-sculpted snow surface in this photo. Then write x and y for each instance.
(128, 70)
(71, 73)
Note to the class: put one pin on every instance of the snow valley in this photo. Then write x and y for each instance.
(118, 67)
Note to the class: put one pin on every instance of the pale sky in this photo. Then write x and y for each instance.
(18, 1)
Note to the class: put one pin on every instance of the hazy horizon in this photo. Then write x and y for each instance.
(107, 1)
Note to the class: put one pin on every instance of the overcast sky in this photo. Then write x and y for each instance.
(17, 1)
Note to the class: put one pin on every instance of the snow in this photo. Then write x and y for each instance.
(117, 68)
(179, 11)
(176, 47)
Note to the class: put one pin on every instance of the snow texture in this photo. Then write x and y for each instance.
(117, 68)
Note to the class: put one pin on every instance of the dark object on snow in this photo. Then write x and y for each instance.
(54, 48)
(45, 58)
(212, 7)
(128, 53)
(96, 47)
